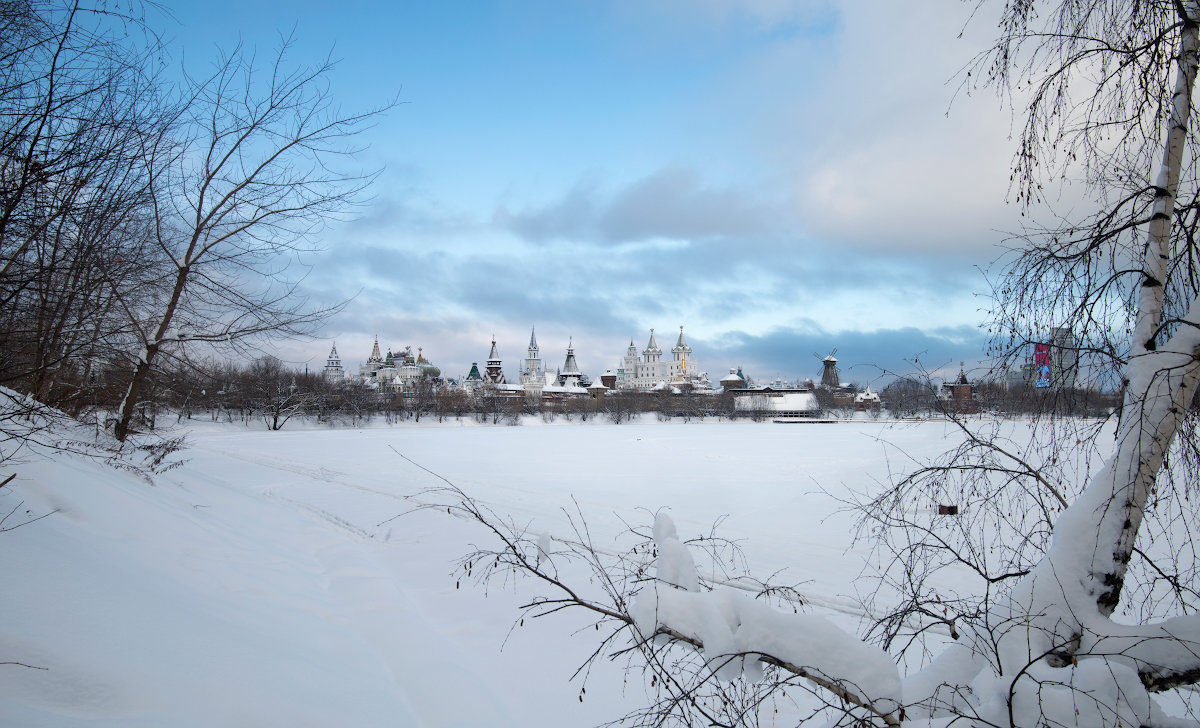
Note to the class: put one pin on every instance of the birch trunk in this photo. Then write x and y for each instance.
(1077, 586)
(1158, 384)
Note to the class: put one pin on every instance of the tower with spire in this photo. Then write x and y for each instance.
(370, 370)
(533, 369)
(680, 353)
(652, 354)
(650, 370)
(333, 366)
(570, 375)
(494, 373)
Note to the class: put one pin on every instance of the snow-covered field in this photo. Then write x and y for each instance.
(268, 581)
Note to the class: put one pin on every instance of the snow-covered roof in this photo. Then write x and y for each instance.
(777, 401)
(570, 368)
(866, 396)
(652, 346)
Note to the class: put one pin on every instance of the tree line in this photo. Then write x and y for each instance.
(266, 392)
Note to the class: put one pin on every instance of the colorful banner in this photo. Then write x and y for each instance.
(1041, 364)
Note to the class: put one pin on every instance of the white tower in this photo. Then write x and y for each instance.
(533, 369)
(680, 352)
(333, 366)
(652, 354)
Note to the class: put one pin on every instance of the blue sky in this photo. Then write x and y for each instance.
(780, 177)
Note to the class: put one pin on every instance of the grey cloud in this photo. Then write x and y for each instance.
(673, 203)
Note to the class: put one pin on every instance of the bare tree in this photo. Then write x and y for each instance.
(622, 404)
(275, 393)
(248, 176)
(77, 113)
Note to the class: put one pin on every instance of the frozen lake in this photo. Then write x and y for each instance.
(273, 580)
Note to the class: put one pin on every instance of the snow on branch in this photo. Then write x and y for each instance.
(736, 635)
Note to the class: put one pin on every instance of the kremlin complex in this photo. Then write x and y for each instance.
(404, 372)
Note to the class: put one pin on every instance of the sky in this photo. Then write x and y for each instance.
(781, 178)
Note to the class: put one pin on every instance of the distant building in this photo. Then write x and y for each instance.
(494, 373)
(374, 363)
(867, 401)
(1064, 357)
(771, 402)
(570, 376)
(650, 371)
(958, 397)
(535, 383)
(333, 366)
(609, 379)
(733, 380)
(395, 373)
(532, 369)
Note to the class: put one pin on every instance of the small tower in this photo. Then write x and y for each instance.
(494, 373)
(627, 371)
(333, 366)
(533, 369)
(570, 374)
(680, 352)
(374, 362)
(652, 354)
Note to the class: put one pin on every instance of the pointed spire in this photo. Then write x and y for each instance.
(681, 351)
(532, 340)
(570, 367)
(652, 346)
(375, 355)
(494, 372)
(333, 365)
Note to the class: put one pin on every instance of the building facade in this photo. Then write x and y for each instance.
(651, 371)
